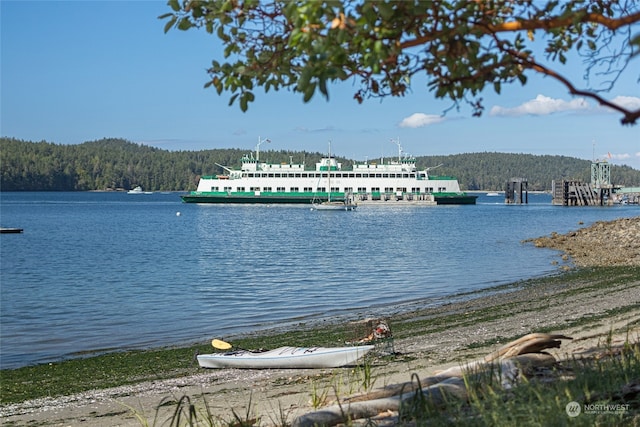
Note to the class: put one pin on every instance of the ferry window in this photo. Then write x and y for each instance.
(227, 188)
(441, 189)
(214, 188)
(298, 175)
(250, 175)
(406, 175)
(290, 175)
(281, 189)
(415, 190)
(294, 189)
(388, 189)
(270, 175)
(378, 175)
(348, 189)
(318, 175)
(266, 189)
(362, 189)
(322, 189)
(429, 190)
(308, 189)
(385, 175)
(277, 175)
(254, 189)
(365, 175)
(375, 189)
(240, 188)
(358, 175)
(335, 189)
(412, 175)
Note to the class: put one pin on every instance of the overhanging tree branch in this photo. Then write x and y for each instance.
(303, 45)
(548, 24)
(630, 116)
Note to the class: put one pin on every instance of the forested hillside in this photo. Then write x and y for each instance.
(119, 164)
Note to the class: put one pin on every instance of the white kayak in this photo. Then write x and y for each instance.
(286, 357)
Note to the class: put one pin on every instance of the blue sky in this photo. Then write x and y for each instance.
(79, 71)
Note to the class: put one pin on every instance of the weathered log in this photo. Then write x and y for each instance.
(395, 389)
(526, 362)
(530, 361)
(530, 343)
(342, 413)
(504, 364)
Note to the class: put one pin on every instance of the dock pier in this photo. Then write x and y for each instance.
(517, 191)
(577, 193)
(574, 193)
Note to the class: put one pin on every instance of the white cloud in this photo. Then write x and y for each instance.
(418, 120)
(629, 159)
(541, 106)
(628, 102)
(614, 156)
(544, 105)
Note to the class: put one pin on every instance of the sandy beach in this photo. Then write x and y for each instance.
(276, 396)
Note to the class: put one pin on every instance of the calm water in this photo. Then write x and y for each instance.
(99, 271)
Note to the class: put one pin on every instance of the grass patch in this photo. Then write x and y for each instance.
(585, 392)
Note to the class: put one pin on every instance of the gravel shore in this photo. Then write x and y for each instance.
(274, 395)
(603, 244)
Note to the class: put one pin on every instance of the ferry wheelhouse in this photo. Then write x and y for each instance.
(369, 182)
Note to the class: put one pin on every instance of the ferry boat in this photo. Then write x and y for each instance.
(369, 182)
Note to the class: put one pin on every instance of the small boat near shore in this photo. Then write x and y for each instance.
(11, 230)
(334, 205)
(344, 204)
(286, 358)
(138, 190)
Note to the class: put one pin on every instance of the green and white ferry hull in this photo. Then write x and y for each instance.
(248, 198)
(390, 182)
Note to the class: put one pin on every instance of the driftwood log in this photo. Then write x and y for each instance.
(507, 363)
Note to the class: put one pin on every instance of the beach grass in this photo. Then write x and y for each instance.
(582, 392)
(136, 366)
(601, 390)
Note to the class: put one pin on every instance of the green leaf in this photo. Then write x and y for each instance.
(174, 5)
(522, 78)
(184, 24)
(169, 24)
(323, 86)
(309, 91)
